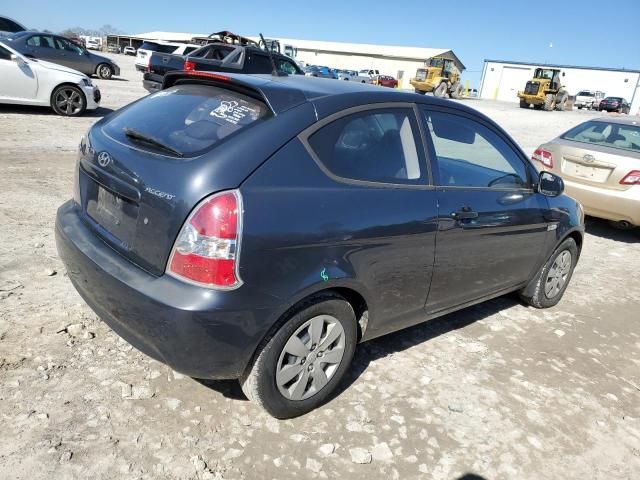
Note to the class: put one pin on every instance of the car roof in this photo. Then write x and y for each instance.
(626, 120)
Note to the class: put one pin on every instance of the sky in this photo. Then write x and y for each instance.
(566, 32)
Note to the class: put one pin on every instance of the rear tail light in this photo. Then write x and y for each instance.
(631, 178)
(189, 66)
(206, 250)
(543, 156)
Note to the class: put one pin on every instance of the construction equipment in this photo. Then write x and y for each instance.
(544, 91)
(441, 76)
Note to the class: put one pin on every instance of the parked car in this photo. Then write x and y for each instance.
(599, 161)
(353, 76)
(588, 99)
(93, 44)
(60, 50)
(9, 26)
(385, 81)
(217, 57)
(130, 51)
(241, 226)
(33, 82)
(369, 72)
(614, 104)
(113, 48)
(320, 72)
(143, 55)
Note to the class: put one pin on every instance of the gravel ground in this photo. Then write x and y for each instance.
(499, 390)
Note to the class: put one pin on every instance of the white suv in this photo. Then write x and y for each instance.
(588, 99)
(148, 47)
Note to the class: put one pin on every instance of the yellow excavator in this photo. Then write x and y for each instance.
(544, 91)
(440, 76)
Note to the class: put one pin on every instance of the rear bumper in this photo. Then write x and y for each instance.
(599, 202)
(152, 82)
(200, 332)
(609, 108)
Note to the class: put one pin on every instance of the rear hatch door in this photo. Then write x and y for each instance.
(143, 169)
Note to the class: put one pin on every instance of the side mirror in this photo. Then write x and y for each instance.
(550, 185)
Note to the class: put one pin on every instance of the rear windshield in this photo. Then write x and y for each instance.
(605, 134)
(156, 47)
(614, 99)
(585, 94)
(201, 116)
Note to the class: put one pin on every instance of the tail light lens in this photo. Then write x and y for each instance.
(631, 178)
(543, 156)
(189, 66)
(206, 250)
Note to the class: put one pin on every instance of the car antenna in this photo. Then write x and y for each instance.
(275, 72)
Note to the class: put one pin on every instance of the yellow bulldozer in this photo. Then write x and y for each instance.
(440, 76)
(544, 91)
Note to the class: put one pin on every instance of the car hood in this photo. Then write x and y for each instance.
(99, 58)
(59, 68)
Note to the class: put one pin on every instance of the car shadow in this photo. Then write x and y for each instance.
(387, 345)
(29, 109)
(603, 229)
(117, 79)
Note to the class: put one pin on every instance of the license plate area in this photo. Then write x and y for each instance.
(587, 172)
(114, 213)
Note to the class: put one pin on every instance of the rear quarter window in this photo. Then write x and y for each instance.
(201, 116)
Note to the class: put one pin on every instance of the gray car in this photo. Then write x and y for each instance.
(61, 50)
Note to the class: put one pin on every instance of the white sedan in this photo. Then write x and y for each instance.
(130, 51)
(27, 81)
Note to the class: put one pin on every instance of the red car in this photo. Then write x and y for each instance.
(386, 81)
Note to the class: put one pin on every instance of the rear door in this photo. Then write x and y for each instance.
(491, 223)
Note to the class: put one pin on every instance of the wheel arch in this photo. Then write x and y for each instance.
(68, 84)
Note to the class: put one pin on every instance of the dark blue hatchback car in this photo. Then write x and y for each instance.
(259, 227)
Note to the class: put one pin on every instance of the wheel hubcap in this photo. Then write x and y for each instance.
(310, 358)
(558, 274)
(69, 101)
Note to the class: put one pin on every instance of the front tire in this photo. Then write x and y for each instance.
(300, 365)
(104, 71)
(549, 102)
(68, 101)
(523, 104)
(554, 276)
(441, 90)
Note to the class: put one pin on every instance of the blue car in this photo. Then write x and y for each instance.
(259, 227)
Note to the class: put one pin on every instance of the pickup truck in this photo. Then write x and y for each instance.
(217, 57)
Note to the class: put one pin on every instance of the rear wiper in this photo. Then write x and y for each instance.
(141, 137)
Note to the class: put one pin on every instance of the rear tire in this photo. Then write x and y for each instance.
(68, 101)
(441, 90)
(553, 278)
(549, 102)
(523, 104)
(561, 101)
(104, 71)
(292, 373)
(456, 90)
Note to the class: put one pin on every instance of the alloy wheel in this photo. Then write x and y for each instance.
(310, 357)
(558, 274)
(69, 101)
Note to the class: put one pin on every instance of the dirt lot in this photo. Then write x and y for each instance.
(499, 390)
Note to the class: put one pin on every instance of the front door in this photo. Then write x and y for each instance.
(491, 223)
(19, 81)
(43, 48)
(73, 56)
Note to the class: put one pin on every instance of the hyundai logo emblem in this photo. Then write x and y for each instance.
(104, 159)
(589, 158)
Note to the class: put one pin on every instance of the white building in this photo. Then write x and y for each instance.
(501, 80)
(399, 62)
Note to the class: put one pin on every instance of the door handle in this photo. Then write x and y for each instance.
(464, 213)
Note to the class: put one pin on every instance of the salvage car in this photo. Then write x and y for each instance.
(259, 226)
(34, 82)
(599, 161)
(61, 50)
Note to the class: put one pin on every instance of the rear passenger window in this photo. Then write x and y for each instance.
(471, 155)
(373, 146)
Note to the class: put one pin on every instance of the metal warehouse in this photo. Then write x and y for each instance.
(502, 79)
(397, 61)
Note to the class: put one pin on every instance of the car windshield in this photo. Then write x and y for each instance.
(585, 94)
(544, 73)
(606, 134)
(201, 117)
(614, 99)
